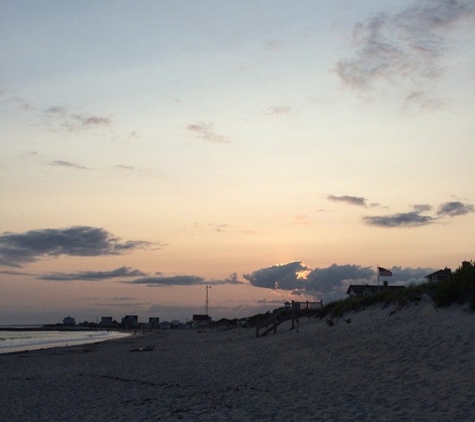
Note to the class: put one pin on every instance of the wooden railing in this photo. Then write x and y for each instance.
(297, 309)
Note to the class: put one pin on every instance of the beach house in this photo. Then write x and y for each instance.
(69, 321)
(366, 290)
(439, 275)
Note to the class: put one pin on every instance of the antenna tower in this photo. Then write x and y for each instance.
(207, 299)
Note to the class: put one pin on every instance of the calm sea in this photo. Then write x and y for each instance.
(17, 341)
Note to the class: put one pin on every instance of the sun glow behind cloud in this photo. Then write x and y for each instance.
(205, 150)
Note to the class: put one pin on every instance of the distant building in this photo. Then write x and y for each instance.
(439, 275)
(366, 290)
(69, 321)
(154, 322)
(201, 319)
(106, 321)
(130, 321)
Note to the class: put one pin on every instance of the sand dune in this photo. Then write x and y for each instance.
(415, 365)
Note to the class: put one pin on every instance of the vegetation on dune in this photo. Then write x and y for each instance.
(458, 288)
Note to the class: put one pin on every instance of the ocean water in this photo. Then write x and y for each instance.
(17, 341)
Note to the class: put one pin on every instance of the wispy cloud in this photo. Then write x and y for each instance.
(277, 110)
(351, 200)
(17, 249)
(94, 275)
(184, 280)
(60, 118)
(407, 46)
(69, 164)
(86, 121)
(206, 131)
(16, 273)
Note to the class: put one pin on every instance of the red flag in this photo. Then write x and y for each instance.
(383, 272)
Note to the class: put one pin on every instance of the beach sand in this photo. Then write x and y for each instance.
(415, 365)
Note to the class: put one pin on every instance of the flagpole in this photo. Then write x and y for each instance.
(377, 270)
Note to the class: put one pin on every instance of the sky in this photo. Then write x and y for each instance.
(271, 150)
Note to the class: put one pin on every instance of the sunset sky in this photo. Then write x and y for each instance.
(273, 150)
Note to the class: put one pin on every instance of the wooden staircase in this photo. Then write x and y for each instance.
(271, 322)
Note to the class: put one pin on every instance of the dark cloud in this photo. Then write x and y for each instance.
(403, 47)
(324, 280)
(405, 219)
(352, 200)
(61, 163)
(330, 283)
(284, 276)
(206, 131)
(416, 218)
(453, 209)
(184, 280)
(17, 249)
(94, 275)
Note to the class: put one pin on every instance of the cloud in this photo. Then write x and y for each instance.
(92, 120)
(407, 46)
(282, 276)
(405, 219)
(72, 122)
(206, 131)
(94, 275)
(277, 111)
(415, 218)
(330, 283)
(17, 249)
(56, 110)
(422, 207)
(184, 280)
(453, 209)
(124, 167)
(6, 272)
(61, 163)
(351, 200)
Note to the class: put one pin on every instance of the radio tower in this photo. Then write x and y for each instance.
(207, 300)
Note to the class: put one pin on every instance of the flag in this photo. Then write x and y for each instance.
(383, 272)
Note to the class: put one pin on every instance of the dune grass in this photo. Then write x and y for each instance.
(458, 288)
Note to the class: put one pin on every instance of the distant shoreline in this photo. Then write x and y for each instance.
(60, 328)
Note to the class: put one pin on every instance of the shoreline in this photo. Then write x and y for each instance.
(415, 365)
(56, 339)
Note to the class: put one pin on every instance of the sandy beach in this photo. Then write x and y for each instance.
(415, 365)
